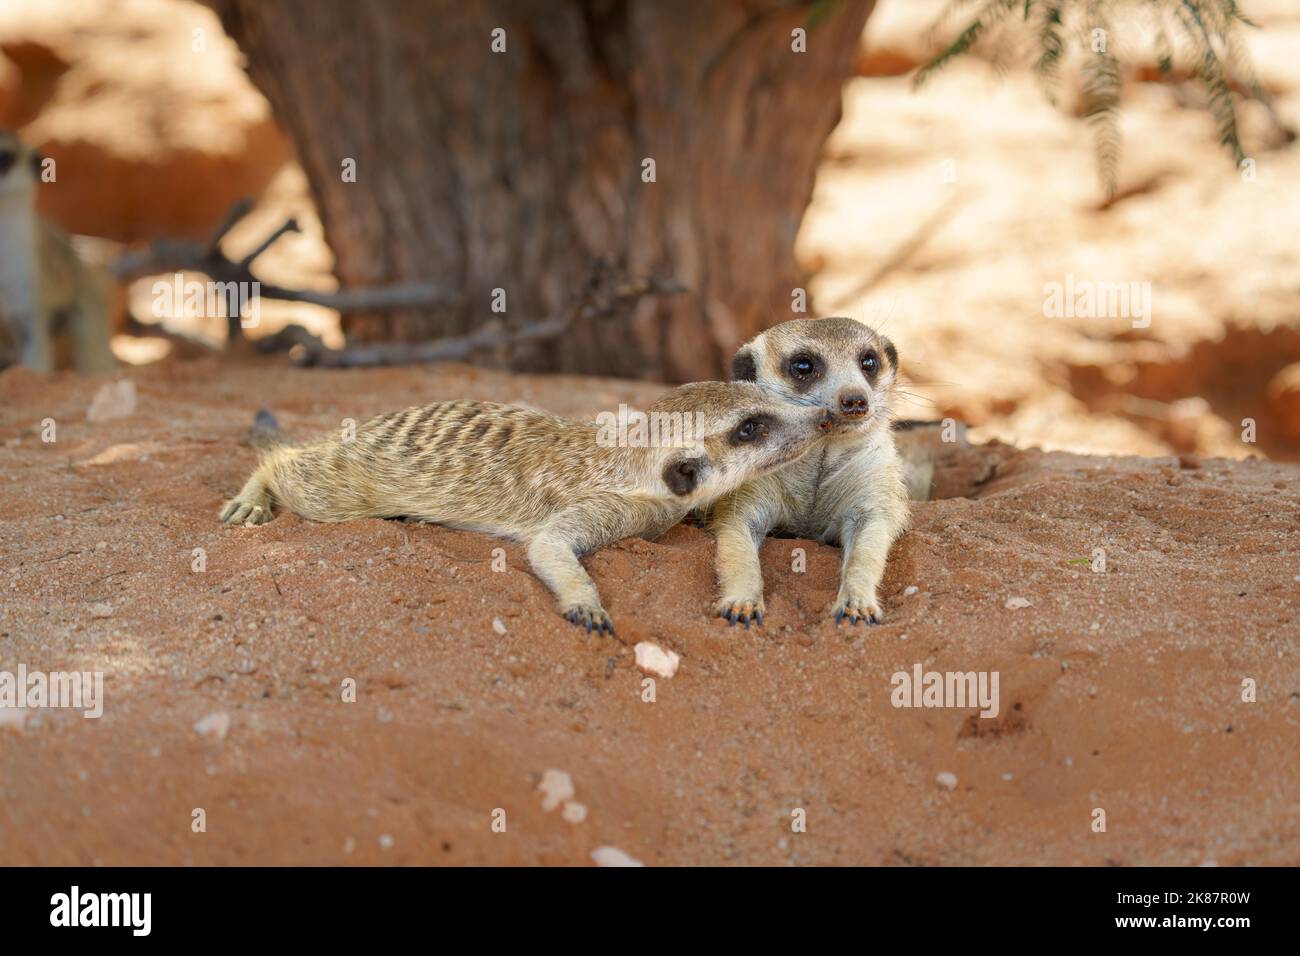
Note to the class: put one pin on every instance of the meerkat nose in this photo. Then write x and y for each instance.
(854, 406)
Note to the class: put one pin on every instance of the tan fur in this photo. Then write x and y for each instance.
(53, 306)
(848, 489)
(550, 482)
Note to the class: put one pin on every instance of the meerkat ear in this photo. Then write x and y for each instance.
(743, 368)
(892, 352)
(683, 475)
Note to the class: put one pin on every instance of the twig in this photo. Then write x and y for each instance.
(182, 255)
(602, 295)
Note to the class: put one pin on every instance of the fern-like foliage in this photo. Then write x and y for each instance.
(1208, 28)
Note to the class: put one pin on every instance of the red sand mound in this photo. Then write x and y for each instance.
(1119, 690)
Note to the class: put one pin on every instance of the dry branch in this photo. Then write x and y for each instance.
(183, 255)
(603, 296)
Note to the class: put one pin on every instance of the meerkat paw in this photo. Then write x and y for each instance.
(858, 611)
(741, 611)
(593, 617)
(247, 513)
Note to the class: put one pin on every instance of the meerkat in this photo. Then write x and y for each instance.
(849, 490)
(552, 483)
(53, 306)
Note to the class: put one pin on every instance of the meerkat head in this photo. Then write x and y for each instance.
(837, 364)
(20, 165)
(731, 433)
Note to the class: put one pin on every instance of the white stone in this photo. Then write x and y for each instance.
(114, 400)
(556, 787)
(613, 856)
(946, 780)
(574, 811)
(214, 725)
(1014, 603)
(653, 659)
(499, 625)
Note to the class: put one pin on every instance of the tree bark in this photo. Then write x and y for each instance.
(522, 170)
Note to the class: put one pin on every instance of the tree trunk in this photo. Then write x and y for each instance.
(523, 170)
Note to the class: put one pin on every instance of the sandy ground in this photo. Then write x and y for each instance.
(1119, 690)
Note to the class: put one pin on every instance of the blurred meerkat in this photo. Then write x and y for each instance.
(550, 482)
(850, 489)
(53, 306)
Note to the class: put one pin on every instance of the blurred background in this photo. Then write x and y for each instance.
(939, 213)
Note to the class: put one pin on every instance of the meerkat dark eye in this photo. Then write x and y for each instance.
(871, 363)
(750, 430)
(7, 158)
(36, 159)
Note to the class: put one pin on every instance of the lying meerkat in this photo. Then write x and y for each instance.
(553, 483)
(848, 490)
(53, 306)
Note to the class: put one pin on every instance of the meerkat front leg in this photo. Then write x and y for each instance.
(866, 539)
(740, 525)
(555, 561)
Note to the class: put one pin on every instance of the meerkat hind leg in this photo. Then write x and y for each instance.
(554, 561)
(252, 506)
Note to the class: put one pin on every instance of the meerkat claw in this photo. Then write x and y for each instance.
(858, 613)
(741, 612)
(245, 513)
(592, 618)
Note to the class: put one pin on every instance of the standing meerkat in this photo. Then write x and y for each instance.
(563, 487)
(848, 490)
(53, 306)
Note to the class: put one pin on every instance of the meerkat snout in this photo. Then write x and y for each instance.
(838, 364)
(854, 405)
(683, 475)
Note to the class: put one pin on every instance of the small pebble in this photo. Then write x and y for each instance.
(556, 787)
(1016, 603)
(946, 780)
(613, 856)
(115, 400)
(214, 725)
(910, 590)
(386, 841)
(574, 811)
(499, 626)
(653, 659)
